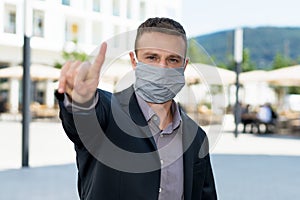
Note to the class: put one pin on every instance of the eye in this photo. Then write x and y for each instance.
(174, 60)
(151, 58)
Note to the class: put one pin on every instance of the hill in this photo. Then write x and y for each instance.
(263, 43)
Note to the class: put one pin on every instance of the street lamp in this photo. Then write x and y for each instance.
(238, 58)
(26, 83)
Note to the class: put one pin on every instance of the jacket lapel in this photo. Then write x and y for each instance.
(129, 104)
(189, 129)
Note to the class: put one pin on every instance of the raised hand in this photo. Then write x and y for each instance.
(80, 79)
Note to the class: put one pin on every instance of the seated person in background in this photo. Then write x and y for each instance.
(274, 115)
(247, 118)
(267, 116)
(2, 104)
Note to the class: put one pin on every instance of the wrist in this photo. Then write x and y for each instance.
(82, 101)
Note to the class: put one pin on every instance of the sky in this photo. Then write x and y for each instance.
(204, 17)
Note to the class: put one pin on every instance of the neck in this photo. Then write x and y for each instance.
(164, 113)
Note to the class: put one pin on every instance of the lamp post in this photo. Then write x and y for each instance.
(238, 58)
(26, 84)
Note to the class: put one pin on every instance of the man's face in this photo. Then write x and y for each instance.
(161, 50)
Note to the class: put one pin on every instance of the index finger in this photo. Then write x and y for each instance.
(96, 67)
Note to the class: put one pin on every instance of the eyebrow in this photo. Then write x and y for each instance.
(176, 56)
(156, 54)
(150, 53)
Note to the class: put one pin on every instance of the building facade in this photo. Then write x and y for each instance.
(54, 24)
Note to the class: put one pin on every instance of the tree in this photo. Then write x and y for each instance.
(74, 53)
(197, 54)
(281, 61)
(247, 64)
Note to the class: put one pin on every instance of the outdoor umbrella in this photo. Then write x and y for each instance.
(254, 76)
(37, 72)
(287, 76)
(209, 74)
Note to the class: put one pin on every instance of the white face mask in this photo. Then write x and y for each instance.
(158, 84)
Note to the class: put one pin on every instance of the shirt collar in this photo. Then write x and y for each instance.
(149, 113)
(146, 109)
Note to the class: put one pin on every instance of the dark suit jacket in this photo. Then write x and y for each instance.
(105, 172)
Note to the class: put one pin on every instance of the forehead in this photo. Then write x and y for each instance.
(162, 42)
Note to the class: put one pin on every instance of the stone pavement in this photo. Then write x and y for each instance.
(256, 167)
(39, 183)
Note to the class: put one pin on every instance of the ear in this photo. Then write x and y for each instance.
(186, 62)
(132, 60)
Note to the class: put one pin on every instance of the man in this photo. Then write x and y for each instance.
(137, 144)
(266, 116)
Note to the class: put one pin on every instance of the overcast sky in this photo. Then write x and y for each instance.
(204, 17)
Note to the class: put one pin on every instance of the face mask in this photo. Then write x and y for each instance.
(157, 84)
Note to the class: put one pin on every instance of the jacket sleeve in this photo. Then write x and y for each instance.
(86, 120)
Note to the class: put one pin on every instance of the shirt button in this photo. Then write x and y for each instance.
(161, 135)
(159, 190)
(155, 118)
(161, 161)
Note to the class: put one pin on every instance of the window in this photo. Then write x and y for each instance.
(128, 11)
(38, 23)
(116, 7)
(10, 19)
(72, 31)
(65, 2)
(142, 10)
(97, 5)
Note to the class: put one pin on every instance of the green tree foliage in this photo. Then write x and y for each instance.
(294, 90)
(262, 42)
(74, 54)
(247, 64)
(298, 59)
(197, 54)
(281, 61)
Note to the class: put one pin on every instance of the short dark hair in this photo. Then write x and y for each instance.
(163, 25)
